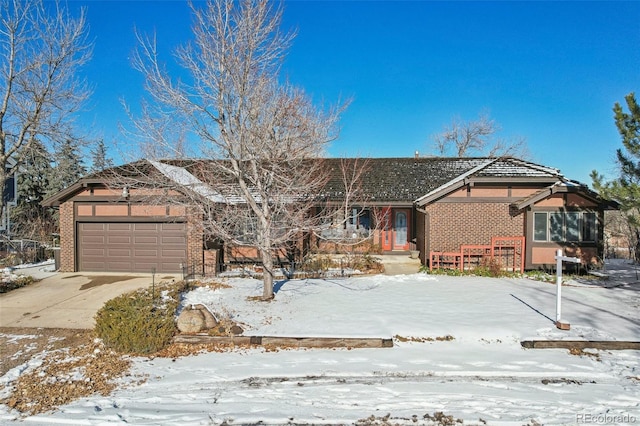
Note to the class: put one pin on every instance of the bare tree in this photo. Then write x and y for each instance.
(464, 139)
(42, 48)
(343, 195)
(261, 131)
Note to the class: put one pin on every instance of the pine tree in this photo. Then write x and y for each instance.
(626, 188)
(99, 158)
(68, 166)
(29, 219)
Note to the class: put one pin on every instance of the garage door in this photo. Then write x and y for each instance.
(131, 247)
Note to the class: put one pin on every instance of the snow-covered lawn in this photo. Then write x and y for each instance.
(483, 375)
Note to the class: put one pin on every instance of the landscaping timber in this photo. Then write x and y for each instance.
(581, 344)
(290, 342)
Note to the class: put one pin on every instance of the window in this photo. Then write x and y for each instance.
(358, 219)
(354, 223)
(556, 226)
(572, 226)
(540, 227)
(565, 226)
(589, 227)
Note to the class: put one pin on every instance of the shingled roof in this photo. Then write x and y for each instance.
(385, 180)
(407, 179)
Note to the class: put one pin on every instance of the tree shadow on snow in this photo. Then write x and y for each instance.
(278, 285)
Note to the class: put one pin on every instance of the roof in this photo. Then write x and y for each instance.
(398, 180)
(567, 186)
(384, 180)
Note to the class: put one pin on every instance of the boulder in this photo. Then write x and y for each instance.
(191, 321)
(236, 330)
(210, 320)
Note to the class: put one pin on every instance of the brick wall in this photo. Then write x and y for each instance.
(454, 224)
(195, 242)
(421, 243)
(67, 240)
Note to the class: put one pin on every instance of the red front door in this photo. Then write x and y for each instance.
(395, 229)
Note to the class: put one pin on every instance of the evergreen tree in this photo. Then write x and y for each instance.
(29, 219)
(626, 188)
(68, 166)
(99, 158)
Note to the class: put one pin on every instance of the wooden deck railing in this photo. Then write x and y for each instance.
(507, 251)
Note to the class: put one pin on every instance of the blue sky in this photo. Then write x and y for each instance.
(546, 71)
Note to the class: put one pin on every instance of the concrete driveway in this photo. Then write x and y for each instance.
(68, 300)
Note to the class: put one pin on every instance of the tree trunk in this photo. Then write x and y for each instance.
(267, 264)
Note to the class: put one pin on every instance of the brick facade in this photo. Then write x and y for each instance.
(453, 224)
(67, 238)
(195, 243)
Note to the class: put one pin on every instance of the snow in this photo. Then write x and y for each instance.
(38, 270)
(483, 375)
(186, 179)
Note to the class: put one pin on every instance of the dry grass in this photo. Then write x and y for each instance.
(446, 338)
(74, 365)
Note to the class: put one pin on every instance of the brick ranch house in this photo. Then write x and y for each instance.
(451, 212)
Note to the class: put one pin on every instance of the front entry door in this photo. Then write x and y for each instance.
(401, 230)
(395, 229)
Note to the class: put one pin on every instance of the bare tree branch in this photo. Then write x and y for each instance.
(42, 48)
(465, 139)
(260, 132)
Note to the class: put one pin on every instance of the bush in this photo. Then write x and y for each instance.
(320, 264)
(317, 264)
(132, 323)
(8, 285)
(489, 268)
(363, 262)
(443, 271)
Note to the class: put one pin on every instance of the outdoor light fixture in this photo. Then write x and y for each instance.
(125, 192)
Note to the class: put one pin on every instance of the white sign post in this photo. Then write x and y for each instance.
(559, 259)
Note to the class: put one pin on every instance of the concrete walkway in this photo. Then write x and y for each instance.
(399, 264)
(67, 300)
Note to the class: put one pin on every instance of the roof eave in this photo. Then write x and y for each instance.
(59, 197)
(575, 188)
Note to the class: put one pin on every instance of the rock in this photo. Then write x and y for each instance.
(236, 329)
(210, 320)
(191, 321)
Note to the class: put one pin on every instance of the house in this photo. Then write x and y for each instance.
(451, 211)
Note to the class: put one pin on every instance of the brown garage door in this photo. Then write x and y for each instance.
(131, 247)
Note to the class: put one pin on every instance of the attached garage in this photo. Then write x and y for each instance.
(131, 246)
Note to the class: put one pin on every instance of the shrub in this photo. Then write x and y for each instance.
(363, 262)
(6, 286)
(443, 271)
(489, 268)
(317, 264)
(320, 264)
(133, 323)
